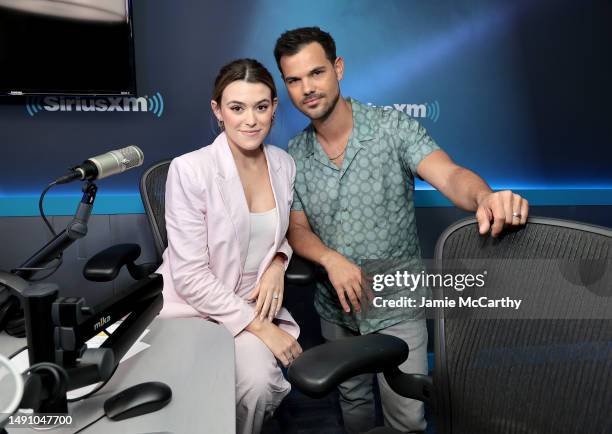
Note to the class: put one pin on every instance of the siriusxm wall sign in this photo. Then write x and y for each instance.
(151, 104)
(427, 110)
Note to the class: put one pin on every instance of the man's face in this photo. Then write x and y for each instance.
(312, 80)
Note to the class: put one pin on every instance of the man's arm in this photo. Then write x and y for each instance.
(303, 240)
(470, 192)
(343, 274)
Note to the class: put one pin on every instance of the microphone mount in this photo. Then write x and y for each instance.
(57, 328)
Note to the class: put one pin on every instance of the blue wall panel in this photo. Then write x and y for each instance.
(516, 90)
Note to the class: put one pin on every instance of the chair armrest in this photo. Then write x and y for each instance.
(300, 271)
(320, 369)
(104, 266)
(413, 386)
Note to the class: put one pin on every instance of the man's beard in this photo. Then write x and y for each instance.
(330, 109)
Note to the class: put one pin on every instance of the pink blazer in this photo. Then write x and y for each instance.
(207, 220)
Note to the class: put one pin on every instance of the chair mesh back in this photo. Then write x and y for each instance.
(537, 375)
(153, 191)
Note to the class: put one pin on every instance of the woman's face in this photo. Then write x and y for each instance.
(246, 110)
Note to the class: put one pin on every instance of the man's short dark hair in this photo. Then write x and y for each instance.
(292, 41)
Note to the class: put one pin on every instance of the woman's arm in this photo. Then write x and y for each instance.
(270, 289)
(284, 346)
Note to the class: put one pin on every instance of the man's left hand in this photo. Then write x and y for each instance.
(499, 209)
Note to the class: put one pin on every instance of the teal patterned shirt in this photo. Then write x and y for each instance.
(365, 209)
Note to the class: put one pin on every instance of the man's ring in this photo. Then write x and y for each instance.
(275, 296)
(516, 214)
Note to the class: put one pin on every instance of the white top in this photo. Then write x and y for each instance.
(261, 240)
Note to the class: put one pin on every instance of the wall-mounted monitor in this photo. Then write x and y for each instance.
(66, 47)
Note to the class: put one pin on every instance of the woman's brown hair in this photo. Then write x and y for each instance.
(249, 70)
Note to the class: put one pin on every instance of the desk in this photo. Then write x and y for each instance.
(193, 356)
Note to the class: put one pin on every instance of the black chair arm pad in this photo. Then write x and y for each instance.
(104, 266)
(320, 369)
(141, 271)
(300, 271)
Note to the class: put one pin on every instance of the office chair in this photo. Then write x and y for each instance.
(153, 194)
(507, 374)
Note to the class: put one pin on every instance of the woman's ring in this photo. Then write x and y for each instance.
(275, 296)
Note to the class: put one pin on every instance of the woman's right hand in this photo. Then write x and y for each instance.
(284, 346)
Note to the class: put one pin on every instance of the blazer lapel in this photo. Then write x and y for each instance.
(232, 194)
(278, 190)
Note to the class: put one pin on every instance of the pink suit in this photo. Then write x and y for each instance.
(208, 226)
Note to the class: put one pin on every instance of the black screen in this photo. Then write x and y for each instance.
(69, 47)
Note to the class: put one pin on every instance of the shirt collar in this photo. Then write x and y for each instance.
(361, 133)
(364, 129)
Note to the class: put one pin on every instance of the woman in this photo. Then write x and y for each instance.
(227, 213)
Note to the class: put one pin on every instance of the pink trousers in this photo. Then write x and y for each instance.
(260, 384)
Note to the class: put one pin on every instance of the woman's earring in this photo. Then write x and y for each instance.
(273, 117)
(220, 124)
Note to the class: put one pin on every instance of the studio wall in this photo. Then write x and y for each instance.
(516, 90)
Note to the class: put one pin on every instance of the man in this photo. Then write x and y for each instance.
(353, 200)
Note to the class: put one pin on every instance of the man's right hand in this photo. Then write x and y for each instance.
(343, 274)
(284, 346)
(345, 277)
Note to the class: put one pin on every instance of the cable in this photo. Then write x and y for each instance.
(56, 371)
(40, 207)
(90, 424)
(60, 377)
(18, 351)
(87, 395)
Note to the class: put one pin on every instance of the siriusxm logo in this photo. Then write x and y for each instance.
(153, 104)
(427, 110)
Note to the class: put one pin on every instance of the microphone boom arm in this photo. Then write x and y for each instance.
(75, 230)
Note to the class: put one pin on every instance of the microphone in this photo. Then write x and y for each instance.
(105, 165)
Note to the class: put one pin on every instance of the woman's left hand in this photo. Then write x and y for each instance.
(269, 291)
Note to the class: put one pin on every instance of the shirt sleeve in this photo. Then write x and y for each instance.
(297, 203)
(415, 142)
(188, 255)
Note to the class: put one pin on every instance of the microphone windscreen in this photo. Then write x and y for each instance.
(131, 156)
